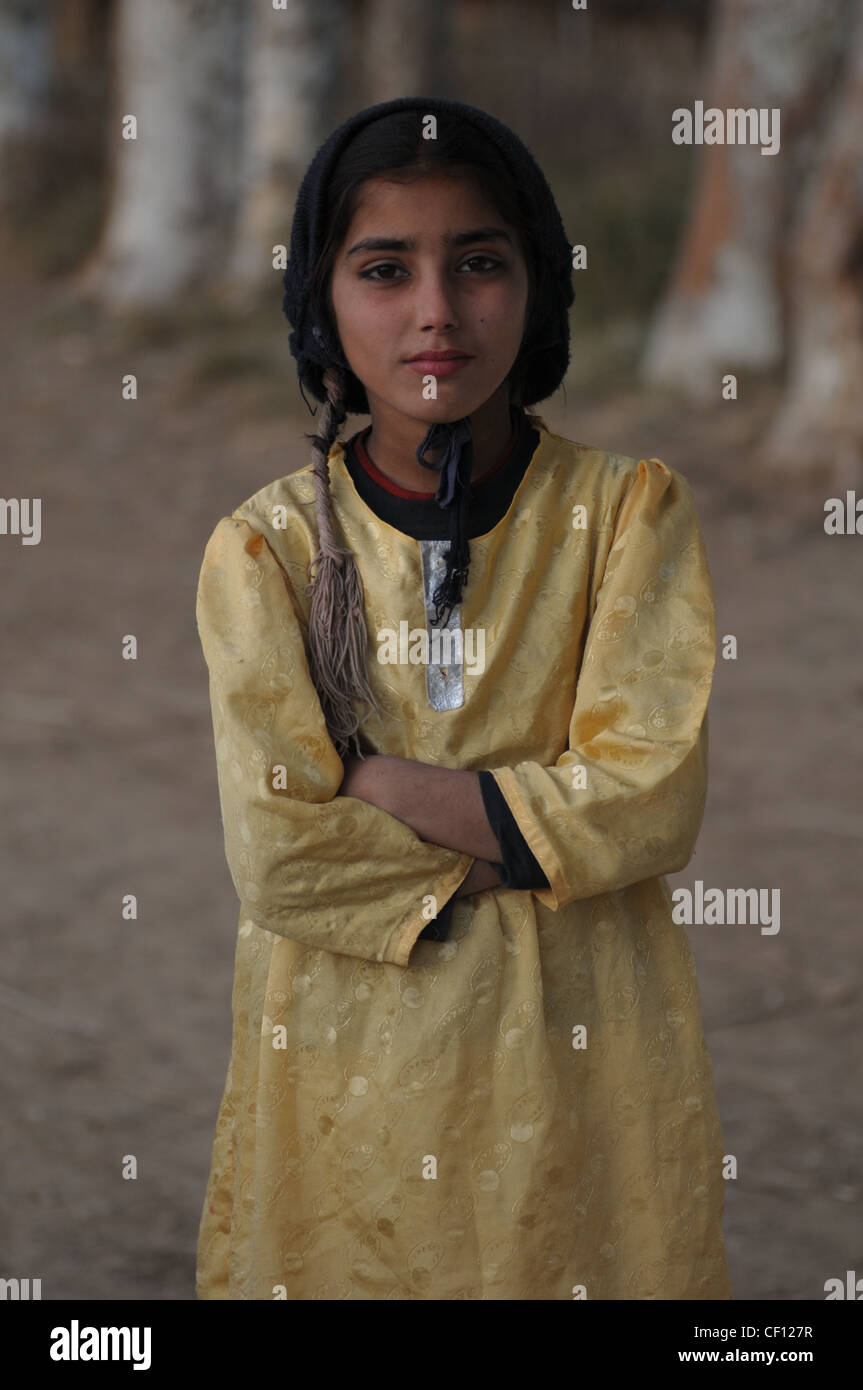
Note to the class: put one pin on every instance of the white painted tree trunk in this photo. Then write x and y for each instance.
(294, 64)
(25, 82)
(178, 68)
(404, 48)
(818, 428)
(723, 311)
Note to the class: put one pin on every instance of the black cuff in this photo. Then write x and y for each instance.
(520, 867)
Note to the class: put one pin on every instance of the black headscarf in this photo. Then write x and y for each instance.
(544, 353)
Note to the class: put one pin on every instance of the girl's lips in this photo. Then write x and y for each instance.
(437, 366)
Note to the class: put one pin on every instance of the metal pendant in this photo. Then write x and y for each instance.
(445, 668)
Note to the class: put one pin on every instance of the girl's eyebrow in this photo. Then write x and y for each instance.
(384, 243)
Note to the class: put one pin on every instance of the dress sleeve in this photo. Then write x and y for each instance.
(625, 800)
(333, 872)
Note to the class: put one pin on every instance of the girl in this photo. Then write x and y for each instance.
(467, 1059)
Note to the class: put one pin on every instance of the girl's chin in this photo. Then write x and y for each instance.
(450, 404)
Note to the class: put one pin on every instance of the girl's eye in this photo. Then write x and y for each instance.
(371, 273)
(380, 273)
(491, 262)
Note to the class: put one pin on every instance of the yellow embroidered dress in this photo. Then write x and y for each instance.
(526, 1110)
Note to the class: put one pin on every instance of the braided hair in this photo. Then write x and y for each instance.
(337, 627)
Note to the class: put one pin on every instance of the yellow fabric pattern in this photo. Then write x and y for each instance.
(527, 1110)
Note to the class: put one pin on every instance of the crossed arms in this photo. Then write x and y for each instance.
(440, 805)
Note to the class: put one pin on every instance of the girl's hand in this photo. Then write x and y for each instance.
(481, 875)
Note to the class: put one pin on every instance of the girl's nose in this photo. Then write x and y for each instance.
(436, 303)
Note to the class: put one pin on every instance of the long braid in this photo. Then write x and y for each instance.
(338, 636)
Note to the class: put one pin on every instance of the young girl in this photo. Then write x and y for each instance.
(467, 1059)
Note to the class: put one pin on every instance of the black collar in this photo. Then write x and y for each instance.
(423, 518)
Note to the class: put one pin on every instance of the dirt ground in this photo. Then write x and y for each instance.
(115, 1033)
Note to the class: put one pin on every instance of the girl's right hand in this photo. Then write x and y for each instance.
(481, 875)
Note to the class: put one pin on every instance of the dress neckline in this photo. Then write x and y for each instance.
(337, 458)
(358, 443)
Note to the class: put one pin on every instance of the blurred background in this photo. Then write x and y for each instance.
(718, 325)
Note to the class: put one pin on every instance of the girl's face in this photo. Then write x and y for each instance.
(429, 268)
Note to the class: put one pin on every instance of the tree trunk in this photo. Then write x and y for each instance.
(178, 71)
(818, 428)
(722, 311)
(404, 49)
(26, 90)
(293, 73)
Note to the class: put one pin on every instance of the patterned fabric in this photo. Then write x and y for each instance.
(527, 1110)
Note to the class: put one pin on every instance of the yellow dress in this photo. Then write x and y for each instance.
(527, 1110)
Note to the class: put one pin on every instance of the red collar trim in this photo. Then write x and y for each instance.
(358, 443)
